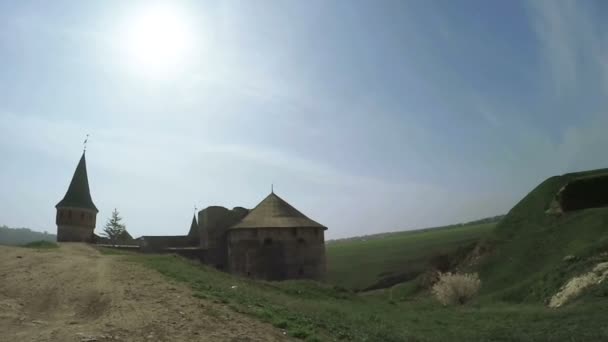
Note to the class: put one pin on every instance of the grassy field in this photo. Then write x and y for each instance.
(522, 261)
(361, 263)
(317, 312)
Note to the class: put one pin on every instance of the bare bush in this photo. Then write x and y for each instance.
(453, 288)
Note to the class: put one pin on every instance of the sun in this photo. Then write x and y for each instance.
(158, 39)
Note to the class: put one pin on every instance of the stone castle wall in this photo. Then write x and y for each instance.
(67, 233)
(213, 223)
(75, 224)
(277, 253)
(156, 244)
(262, 253)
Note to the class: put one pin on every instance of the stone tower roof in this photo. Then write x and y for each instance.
(274, 212)
(78, 194)
(193, 227)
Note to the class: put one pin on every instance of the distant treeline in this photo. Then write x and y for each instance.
(493, 219)
(21, 236)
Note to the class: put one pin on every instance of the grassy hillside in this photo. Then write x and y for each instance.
(527, 248)
(21, 236)
(397, 257)
(521, 260)
(317, 312)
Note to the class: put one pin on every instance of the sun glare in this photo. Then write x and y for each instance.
(158, 40)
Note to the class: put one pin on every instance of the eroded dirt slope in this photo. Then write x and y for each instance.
(76, 294)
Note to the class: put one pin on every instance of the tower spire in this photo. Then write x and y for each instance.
(76, 212)
(78, 194)
(271, 188)
(193, 233)
(84, 144)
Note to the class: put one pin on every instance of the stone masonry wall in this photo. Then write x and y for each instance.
(277, 253)
(75, 224)
(66, 233)
(213, 224)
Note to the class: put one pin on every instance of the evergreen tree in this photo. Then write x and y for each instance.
(114, 230)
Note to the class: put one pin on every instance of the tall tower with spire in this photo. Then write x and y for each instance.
(76, 212)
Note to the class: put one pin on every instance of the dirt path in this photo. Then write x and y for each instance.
(76, 294)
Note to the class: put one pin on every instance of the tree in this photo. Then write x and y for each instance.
(114, 230)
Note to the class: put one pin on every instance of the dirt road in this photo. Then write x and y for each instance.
(76, 294)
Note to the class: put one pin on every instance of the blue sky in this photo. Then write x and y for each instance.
(367, 116)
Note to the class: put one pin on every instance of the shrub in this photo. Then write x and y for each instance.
(427, 279)
(41, 245)
(453, 288)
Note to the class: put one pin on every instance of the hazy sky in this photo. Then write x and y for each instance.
(368, 116)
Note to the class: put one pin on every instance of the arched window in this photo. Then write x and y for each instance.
(301, 271)
(69, 214)
(82, 216)
(267, 241)
(301, 241)
(294, 231)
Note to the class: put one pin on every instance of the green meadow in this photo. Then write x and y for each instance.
(322, 312)
(522, 261)
(364, 262)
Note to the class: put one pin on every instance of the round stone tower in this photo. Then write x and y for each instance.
(76, 212)
(275, 241)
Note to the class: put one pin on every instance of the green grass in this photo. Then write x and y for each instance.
(318, 312)
(520, 263)
(361, 263)
(527, 249)
(41, 245)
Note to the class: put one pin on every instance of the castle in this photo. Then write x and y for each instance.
(273, 241)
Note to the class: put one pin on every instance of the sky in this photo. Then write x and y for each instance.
(367, 116)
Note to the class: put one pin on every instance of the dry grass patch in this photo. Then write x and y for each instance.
(454, 288)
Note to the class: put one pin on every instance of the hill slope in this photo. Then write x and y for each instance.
(384, 260)
(319, 312)
(21, 236)
(533, 253)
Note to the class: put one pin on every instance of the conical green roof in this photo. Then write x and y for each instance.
(274, 212)
(78, 194)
